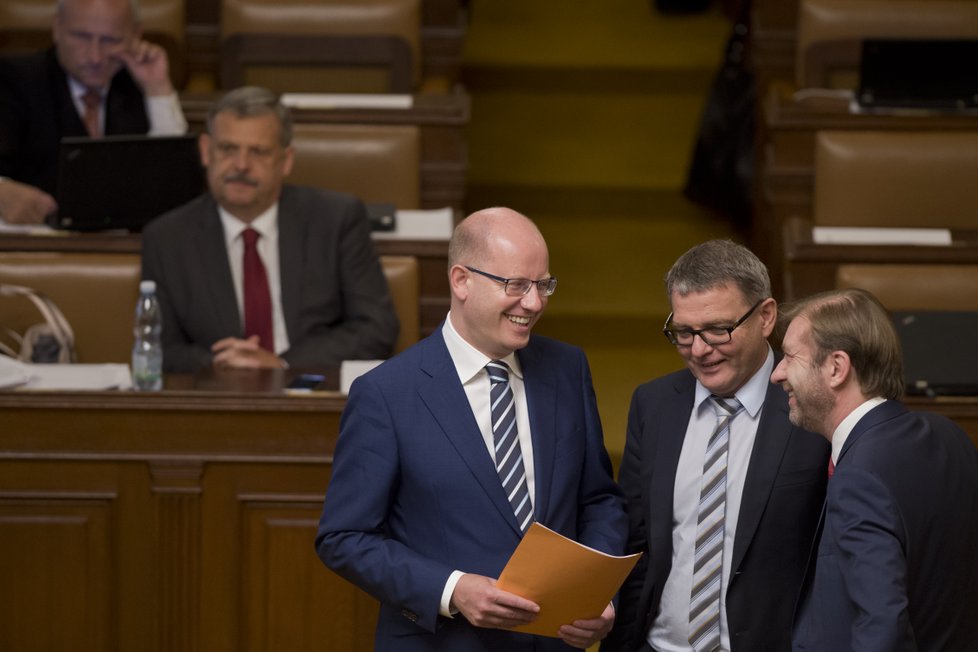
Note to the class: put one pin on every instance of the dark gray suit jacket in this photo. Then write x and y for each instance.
(897, 558)
(36, 112)
(779, 511)
(334, 296)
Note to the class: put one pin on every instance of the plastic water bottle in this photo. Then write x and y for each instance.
(147, 349)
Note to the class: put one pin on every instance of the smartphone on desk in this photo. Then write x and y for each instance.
(305, 382)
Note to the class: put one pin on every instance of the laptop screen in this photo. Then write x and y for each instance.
(123, 182)
(937, 74)
(940, 351)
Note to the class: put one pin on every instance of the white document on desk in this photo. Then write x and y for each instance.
(859, 235)
(15, 374)
(312, 101)
(432, 224)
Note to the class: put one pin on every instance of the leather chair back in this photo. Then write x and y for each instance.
(896, 178)
(401, 273)
(295, 40)
(96, 292)
(378, 163)
(830, 31)
(915, 287)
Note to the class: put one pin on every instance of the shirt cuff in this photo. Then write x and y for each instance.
(165, 115)
(445, 609)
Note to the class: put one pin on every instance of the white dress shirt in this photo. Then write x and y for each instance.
(670, 628)
(267, 226)
(471, 367)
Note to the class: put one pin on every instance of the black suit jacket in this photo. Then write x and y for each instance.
(36, 112)
(779, 511)
(897, 559)
(334, 295)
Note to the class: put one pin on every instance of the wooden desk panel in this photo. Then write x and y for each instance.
(182, 521)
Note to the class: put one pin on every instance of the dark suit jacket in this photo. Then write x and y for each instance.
(334, 296)
(897, 563)
(36, 112)
(414, 493)
(783, 494)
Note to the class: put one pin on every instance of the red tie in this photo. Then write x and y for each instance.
(831, 467)
(92, 101)
(257, 298)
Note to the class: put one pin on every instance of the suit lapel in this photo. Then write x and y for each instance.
(770, 442)
(291, 237)
(69, 121)
(213, 256)
(664, 448)
(541, 402)
(449, 406)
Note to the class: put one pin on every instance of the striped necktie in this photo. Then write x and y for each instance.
(509, 455)
(704, 603)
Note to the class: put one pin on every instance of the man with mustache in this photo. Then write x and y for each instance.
(257, 273)
(100, 78)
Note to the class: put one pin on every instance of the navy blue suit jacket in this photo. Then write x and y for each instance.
(36, 112)
(897, 559)
(334, 296)
(414, 494)
(779, 510)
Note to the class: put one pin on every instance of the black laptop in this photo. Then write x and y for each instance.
(940, 352)
(932, 74)
(123, 182)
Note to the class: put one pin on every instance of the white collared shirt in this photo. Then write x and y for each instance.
(470, 364)
(267, 226)
(164, 112)
(670, 628)
(844, 429)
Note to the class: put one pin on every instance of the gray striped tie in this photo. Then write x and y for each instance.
(704, 603)
(509, 455)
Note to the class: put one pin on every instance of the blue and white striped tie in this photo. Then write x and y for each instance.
(704, 603)
(509, 455)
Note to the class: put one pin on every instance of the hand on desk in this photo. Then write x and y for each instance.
(232, 352)
(477, 598)
(24, 204)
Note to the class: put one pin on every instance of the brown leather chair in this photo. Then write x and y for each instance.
(830, 31)
(896, 178)
(321, 45)
(915, 287)
(378, 163)
(25, 26)
(96, 292)
(401, 273)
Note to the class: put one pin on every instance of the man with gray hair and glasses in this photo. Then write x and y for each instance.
(258, 273)
(723, 491)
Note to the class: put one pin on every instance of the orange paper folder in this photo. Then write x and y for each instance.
(569, 581)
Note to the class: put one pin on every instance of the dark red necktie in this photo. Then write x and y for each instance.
(257, 298)
(93, 102)
(831, 467)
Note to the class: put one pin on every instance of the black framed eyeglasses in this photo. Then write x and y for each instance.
(713, 335)
(518, 287)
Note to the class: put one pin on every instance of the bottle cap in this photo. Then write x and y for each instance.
(147, 287)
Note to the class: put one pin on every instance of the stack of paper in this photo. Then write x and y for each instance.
(20, 375)
(880, 236)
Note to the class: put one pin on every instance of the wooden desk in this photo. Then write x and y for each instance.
(810, 267)
(182, 520)
(432, 258)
